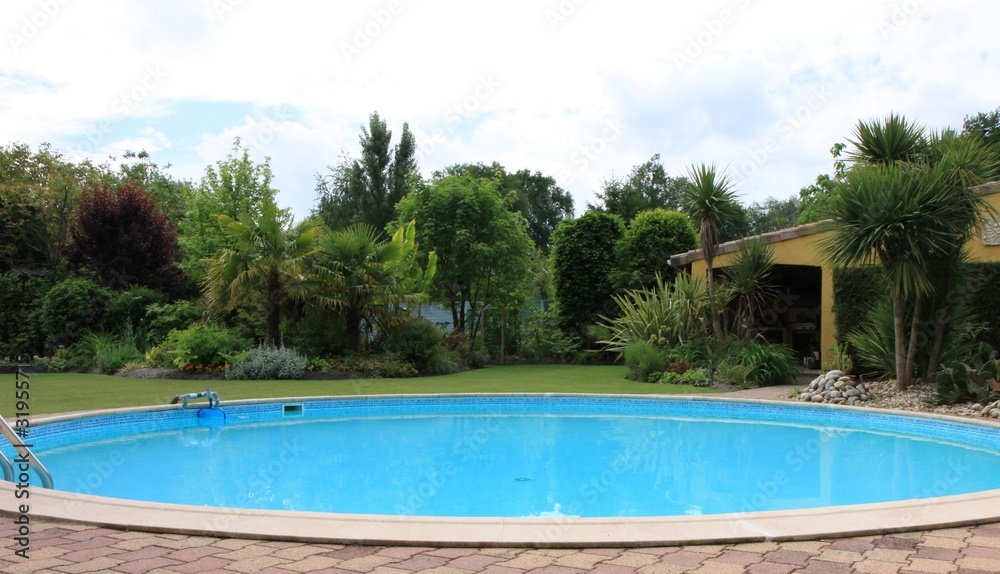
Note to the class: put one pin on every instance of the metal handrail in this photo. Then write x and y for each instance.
(8, 468)
(26, 455)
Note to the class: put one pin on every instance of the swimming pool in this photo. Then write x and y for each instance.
(532, 460)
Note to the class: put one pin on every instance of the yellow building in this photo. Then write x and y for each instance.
(802, 316)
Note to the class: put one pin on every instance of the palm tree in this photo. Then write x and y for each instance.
(361, 276)
(265, 251)
(907, 204)
(749, 278)
(708, 198)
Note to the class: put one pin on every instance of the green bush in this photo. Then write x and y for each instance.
(112, 360)
(129, 308)
(162, 318)
(415, 341)
(204, 345)
(961, 382)
(543, 339)
(70, 309)
(653, 234)
(731, 373)
(376, 366)
(768, 364)
(20, 331)
(267, 363)
(643, 359)
(695, 378)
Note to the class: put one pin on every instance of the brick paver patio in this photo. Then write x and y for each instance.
(77, 548)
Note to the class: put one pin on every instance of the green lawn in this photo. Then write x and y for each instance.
(56, 393)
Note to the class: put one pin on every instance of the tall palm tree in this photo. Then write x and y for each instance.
(907, 204)
(265, 251)
(361, 276)
(709, 199)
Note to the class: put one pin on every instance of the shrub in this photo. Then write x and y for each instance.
(205, 345)
(695, 378)
(415, 341)
(961, 382)
(543, 339)
(71, 308)
(115, 358)
(20, 333)
(730, 373)
(650, 236)
(162, 318)
(266, 362)
(769, 364)
(376, 366)
(129, 308)
(642, 359)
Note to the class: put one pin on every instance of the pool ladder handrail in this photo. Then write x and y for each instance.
(25, 451)
(213, 398)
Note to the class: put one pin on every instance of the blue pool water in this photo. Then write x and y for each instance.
(521, 456)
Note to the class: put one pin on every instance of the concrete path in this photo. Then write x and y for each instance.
(76, 548)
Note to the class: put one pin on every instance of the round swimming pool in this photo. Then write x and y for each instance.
(533, 458)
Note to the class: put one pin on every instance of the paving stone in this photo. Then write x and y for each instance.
(142, 553)
(979, 563)
(980, 552)
(633, 560)
(813, 546)
(494, 569)
(894, 543)
(661, 568)
(655, 550)
(843, 556)
(584, 560)
(611, 569)
(312, 564)
(983, 542)
(421, 562)
(349, 552)
(685, 558)
(783, 556)
(943, 542)
(205, 564)
(889, 555)
(557, 570)
(366, 563)
(100, 564)
(826, 567)
(88, 554)
(255, 565)
(476, 562)
(401, 552)
(143, 566)
(245, 553)
(450, 552)
(757, 547)
(952, 532)
(988, 530)
(34, 565)
(925, 565)
(528, 562)
(770, 568)
(850, 545)
(89, 533)
(718, 568)
(232, 543)
(192, 554)
(299, 552)
(140, 543)
(932, 553)
(869, 566)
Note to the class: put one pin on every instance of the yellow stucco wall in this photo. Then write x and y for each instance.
(806, 250)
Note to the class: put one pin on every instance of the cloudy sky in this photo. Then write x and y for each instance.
(579, 89)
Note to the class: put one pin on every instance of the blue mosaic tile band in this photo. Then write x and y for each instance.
(129, 424)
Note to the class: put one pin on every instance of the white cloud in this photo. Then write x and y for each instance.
(713, 81)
